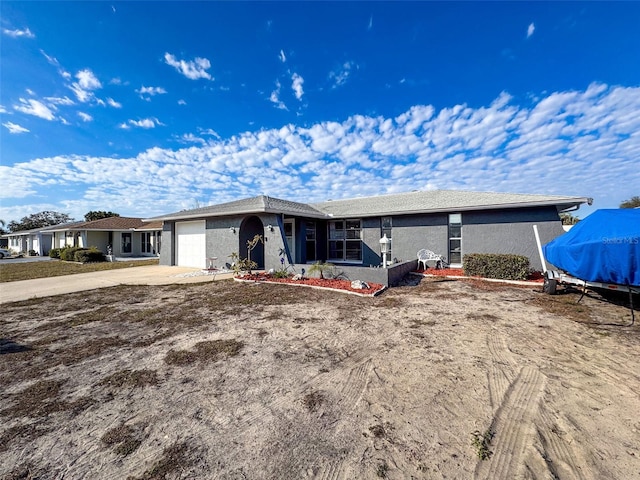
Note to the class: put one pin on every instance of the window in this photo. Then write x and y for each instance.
(455, 239)
(126, 242)
(345, 241)
(145, 243)
(310, 239)
(386, 225)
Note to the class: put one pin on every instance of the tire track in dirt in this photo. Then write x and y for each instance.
(513, 424)
(356, 384)
(332, 471)
(561, 459)
(502, 369)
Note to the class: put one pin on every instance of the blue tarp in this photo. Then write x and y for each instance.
(604, 247)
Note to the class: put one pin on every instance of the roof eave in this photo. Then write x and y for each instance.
(195, 216)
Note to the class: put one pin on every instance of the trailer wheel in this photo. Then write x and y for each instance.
(550, 285)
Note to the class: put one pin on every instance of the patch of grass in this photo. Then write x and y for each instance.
(26, 433)
(562, 305)
(174, 459)
(489, 317)
(76, 353)
(125, 439)
(208, 351)
(418, 322)
(313, 401)
(382, 469)
(37, 400)
(12, 272)
(481, 442)
(130, 378)
(26, 471)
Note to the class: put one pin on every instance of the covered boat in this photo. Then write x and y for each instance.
(604, 247)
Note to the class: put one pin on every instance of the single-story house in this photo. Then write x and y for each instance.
(126, 236)
(348, 232)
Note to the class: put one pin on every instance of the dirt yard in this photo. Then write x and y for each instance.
(437, 379)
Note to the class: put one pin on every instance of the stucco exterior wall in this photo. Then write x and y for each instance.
(510, 231)
(167, 252)
(221, 242)
(490, 231)
(99, 240)
(414, 232)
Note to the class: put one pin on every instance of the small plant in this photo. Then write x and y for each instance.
(321, 268)
(481, 442)
(239, 265)
(251, 244)
(382, 469)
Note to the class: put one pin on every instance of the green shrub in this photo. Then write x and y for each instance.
(67, 253)
(86, 255)
(55, 252)
(495, 265)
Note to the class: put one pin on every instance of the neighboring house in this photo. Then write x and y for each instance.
(348, 232)
(127, 236)
(38, 240)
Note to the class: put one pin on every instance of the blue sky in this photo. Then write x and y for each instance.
(145, 108)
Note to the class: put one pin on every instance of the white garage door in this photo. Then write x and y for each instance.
(191, 250)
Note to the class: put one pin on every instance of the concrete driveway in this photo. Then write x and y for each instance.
(147, 275)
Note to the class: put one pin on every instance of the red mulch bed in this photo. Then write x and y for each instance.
(458, 272)
(334, 284)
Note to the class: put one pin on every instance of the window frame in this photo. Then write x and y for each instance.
(455, 222)
(345, 239)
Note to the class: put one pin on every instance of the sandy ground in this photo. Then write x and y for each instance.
(238, 381)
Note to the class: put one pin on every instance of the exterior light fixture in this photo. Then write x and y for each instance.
(270, 228)
(384, 249)
(232, 229)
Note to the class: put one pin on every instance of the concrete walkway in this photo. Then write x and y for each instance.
(147, 275)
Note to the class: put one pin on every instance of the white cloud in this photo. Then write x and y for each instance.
(87, 80)
(3, 110)
(54, 61)
(275, 98)
(14, 128)
(35, 108)
(83, 88)
(85, 117)
(59, 100)
(296, 85)
(565, 143)
(193, 70)
(112, 103)
(282, 56)
(210, 132)
(191, 138)
(370, 25)
(147, 92)
(17, 33)
(181, 102)
(530, 29)
(144, 123)
(340, 75)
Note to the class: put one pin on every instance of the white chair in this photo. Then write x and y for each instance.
(425, 256)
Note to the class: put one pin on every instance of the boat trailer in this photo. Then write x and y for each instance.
(554, 279)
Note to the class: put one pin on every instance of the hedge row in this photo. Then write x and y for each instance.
(494, 265)
(77, 254)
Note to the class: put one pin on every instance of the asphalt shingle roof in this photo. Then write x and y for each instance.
(259, 204)
(437, 201)
(393, 204)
